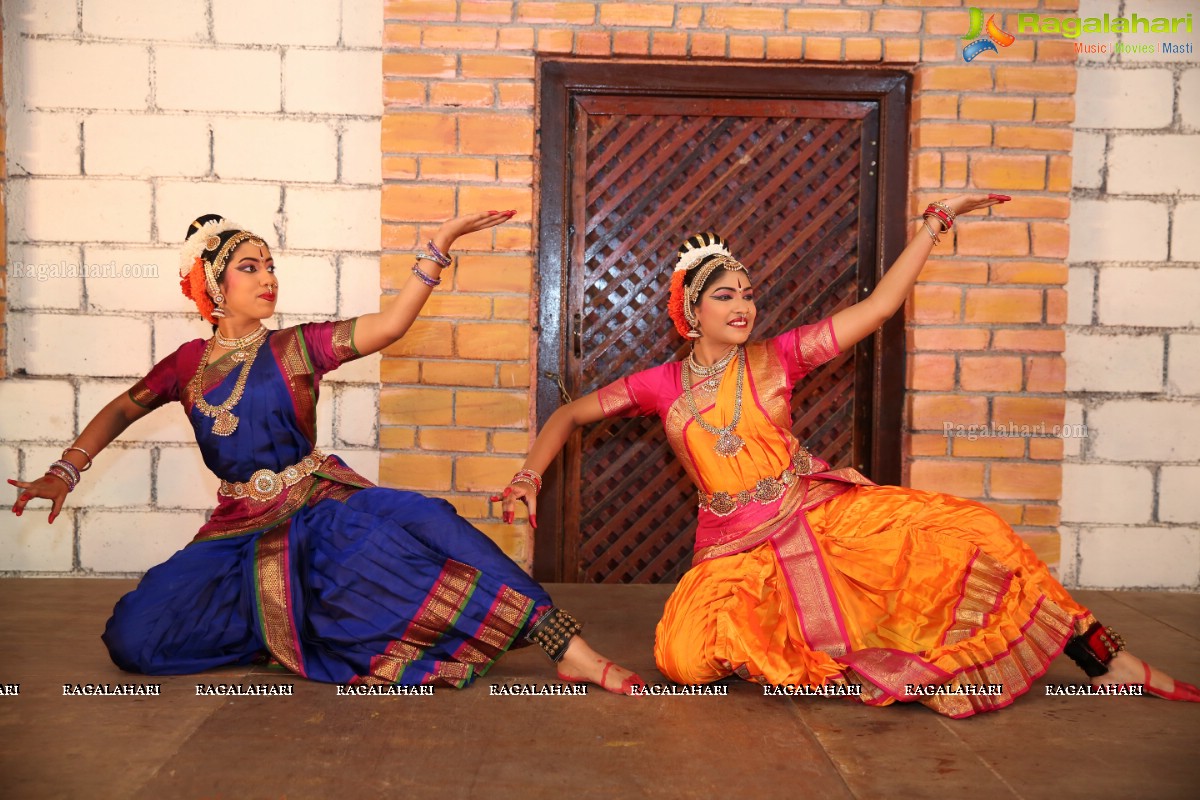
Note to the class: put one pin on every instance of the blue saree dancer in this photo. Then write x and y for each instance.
(339, 581)
(304, 561)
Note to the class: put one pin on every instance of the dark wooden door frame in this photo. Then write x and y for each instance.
(562, 80)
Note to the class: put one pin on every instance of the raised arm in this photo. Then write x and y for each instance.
(373, 332)
(860, 320)
(105, 427)
(546, 447)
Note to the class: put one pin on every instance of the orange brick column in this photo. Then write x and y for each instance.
(985, 323)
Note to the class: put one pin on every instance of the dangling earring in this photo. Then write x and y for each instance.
(217, 311)
(694, 333)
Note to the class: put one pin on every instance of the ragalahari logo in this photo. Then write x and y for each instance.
(994, 36)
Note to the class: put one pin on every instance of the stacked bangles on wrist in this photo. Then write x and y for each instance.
(435, 255)
(529, 477)
(943, 214)
(67, 472)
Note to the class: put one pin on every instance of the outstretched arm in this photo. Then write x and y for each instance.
(546, 447)
(860, 320)
(373, 332)
(106, 426)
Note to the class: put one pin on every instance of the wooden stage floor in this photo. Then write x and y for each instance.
(470, 743)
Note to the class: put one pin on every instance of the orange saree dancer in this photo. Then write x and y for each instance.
(807, 576)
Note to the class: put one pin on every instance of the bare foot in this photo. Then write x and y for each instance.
(1128, 668)
(581, 663)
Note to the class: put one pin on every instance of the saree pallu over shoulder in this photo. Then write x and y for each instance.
(245, 515)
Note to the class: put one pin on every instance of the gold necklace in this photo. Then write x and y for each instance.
(712, 369)
(224, 422)
(249, 339)
(729, 444)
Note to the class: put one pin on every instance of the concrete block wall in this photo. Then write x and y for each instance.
(126, 121)
(1130, 509)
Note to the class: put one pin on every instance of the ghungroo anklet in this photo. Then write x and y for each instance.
(1093, 649)
(554, 631)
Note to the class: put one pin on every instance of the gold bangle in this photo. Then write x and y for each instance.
(929, 230)
(86, 455)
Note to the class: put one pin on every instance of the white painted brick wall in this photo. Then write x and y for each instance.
(307, 284)
(358, 286)
(360, 152)
(146, 19)
(78, 209)
(166, 424)
(325, 218)
(363, 461)
(133, 541)
(1163, 297)
(44, 143)
(42, 16)
(362, 370)
(1097, 362)
(143, 279)
(1183, 366)
(171, 332)
(1102, 230)
(300, 22)
(254, 73)
(325, 429)
(1116, 558)
(1165, 163)
(177, 203)
(1141, 422)
(1178, 498)
(49, 278)
(119, 476)
(73, 74)
(36, 410)
(1146, 430)
(333, 81)
(357, 415)
(145, 145)
(1087, 163)
(265, 148)
(1081, 290)
(1185, 231)
(183, 481)
(1107, 493)
(362, 24)
(127, 119)
(65, 344)
(1124, 98)
(1162, 8)
(1189, 97)
(1073, 420)
(29, 544)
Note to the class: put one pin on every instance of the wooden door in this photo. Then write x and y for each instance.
(793, 183)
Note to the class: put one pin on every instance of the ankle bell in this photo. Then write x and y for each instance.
(553, 633)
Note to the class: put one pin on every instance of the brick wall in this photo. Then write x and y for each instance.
(126, 120)
(1131, 510)
(112, 151)
(986, 336)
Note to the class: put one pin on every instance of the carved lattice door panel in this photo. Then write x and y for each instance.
(793, 185)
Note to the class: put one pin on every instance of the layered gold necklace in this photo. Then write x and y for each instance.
(728, 444)
(224, 421)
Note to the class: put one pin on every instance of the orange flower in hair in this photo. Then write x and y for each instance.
(675, 303)
(193, 286)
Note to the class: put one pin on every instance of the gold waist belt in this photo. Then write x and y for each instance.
(767, 490)
(266, 485)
